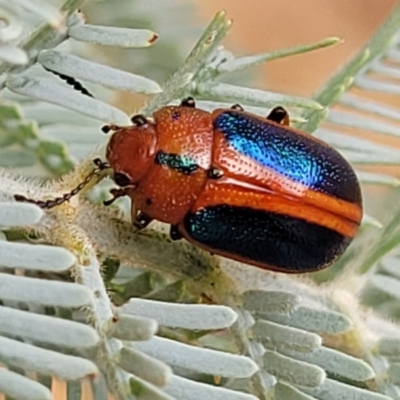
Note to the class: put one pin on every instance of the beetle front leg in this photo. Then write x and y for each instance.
(279, 115)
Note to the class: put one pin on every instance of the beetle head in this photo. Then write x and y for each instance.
(130, 153)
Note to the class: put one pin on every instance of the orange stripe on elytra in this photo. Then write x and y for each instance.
(245, 169)
(234, 193)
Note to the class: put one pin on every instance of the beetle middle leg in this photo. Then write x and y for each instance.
(188, 102)
(279, 115)
(140, 219)
(174, 233)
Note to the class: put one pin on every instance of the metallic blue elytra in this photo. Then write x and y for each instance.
(295, 156)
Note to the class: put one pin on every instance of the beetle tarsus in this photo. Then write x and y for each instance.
(174, 233)
(117, 193)
(100, 164)
(237, 107)
(279, 115)
(141, 220)
(110, 127)
(139, 120)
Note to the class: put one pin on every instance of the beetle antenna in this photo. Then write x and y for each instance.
(72, 82)
(100, 166)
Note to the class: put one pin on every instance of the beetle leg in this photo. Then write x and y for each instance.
(279, 115)
(139, 120)
(188, 102)
(117, 193)
(237, 107)
(140, 220)
(110, 127)
(174, 233)
(214, 173)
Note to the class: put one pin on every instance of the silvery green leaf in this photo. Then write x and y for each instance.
(292, 371)
(198, 359)
(371, 107)
(12, 97)
(45, 292)
(386, 284)
(46, 114)
(274, 302)
(248, 61)
(284, 391)
(143, 366)
(99, 389)
(142, 390)
(80, 152)
(45, 329)
(203, 50)
(13, 158)
(385, 386)
(128, 327)
(377, 86)
(113, 36)
(364, 157)
(19, 214)
(386, 70)
(371, 178)
(12, 54)
(38, 257)
(90, 276)
(10, 111)
(103, 314)
(19, 387)
(23, 355)
(336, 363)
(391, 265)
(394, 373)
(351, 119)
(268, 381)
(314, 320)
(334, 390)
(393, 53)
(74, 390)
(79, 68)
(348, 142)
(185, 389)
(278, 336)
(46, 11)
(56, 93)
(187, 316)
(74, 135)
(11, 27)
(256, 97)
(245, 320)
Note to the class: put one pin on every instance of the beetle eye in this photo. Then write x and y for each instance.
(121, 179)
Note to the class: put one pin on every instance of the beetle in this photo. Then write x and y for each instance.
(248, 188)
(241, 186)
